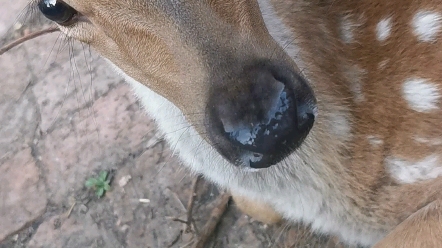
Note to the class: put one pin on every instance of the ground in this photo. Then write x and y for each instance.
(65, 117)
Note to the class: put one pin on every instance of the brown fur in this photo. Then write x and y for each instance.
(421, 229)
(257, 210)
(384, 113)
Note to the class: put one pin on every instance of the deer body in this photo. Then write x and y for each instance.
(371, 159)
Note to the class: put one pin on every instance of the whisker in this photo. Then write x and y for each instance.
(179, 138)
(65, 41)
(52, 49)
(279, 233)
(91, 98)
(74, 65)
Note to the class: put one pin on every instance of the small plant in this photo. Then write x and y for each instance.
(101, 184)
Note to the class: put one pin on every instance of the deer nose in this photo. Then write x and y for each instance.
(264, 118)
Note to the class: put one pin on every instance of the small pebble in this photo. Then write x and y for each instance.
(83, 209)
(124, 180)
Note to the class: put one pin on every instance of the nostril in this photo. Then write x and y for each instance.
(306, 115)
(265, 117)
(283, 120)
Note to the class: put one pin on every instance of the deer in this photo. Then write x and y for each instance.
(322, 112)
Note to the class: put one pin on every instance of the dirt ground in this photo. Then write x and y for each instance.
(65, 116)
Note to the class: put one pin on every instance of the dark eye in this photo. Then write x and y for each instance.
(57, 11)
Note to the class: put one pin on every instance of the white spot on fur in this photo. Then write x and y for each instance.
(348, 26)
(354, 76)
(408, 172)
(341, 126)
(383, 64)
(429, 141)
(426, 25)
(383, 29)
(374, 140)
(421, 95)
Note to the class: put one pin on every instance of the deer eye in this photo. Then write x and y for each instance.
(57, 11)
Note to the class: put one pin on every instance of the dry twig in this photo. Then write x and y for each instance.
(68, 214)
(26, 38)
(213, 221)
(190, 204)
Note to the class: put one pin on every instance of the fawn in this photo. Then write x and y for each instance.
(316, 111)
